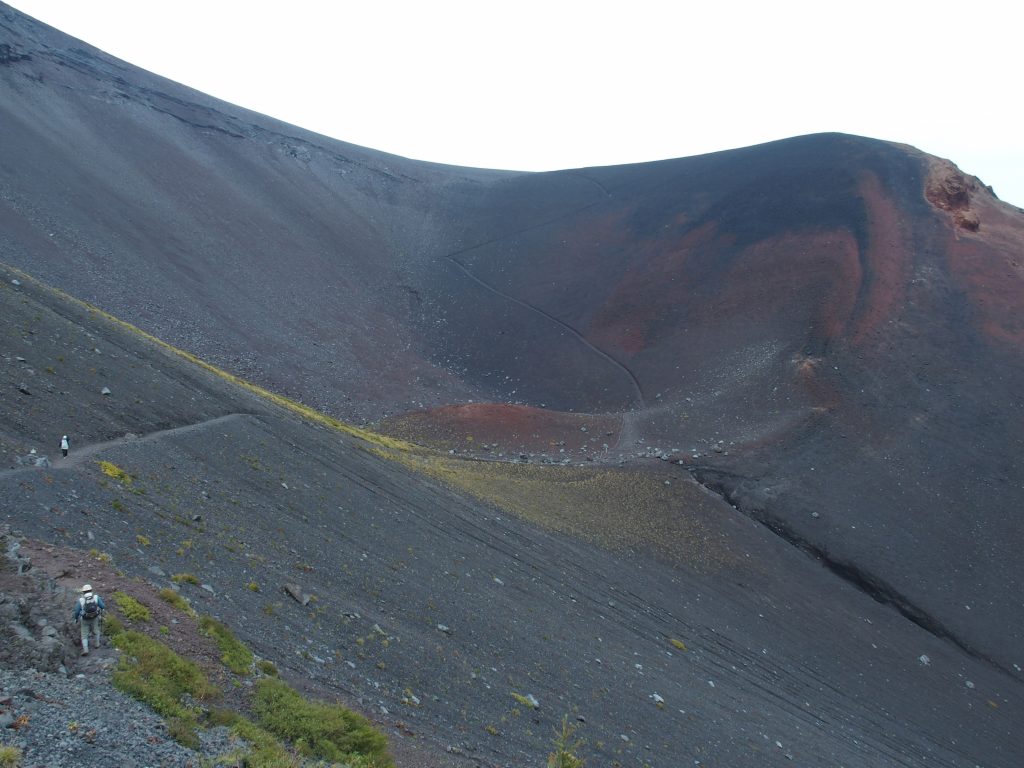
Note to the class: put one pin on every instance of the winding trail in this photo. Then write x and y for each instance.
(77, 455)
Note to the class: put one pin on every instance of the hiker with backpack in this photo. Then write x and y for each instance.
(88, 611)
(64, 446)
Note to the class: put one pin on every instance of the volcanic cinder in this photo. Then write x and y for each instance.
(820, 338)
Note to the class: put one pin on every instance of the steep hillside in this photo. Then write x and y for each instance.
(732, 397)
(356, 565)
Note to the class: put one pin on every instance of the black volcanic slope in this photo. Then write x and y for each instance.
(823, 331)
(430, 609)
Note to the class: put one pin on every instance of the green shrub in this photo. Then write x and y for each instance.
(329, 731)
(112, 625)
(10, 757)
(103, 557)
(526, 701)
(267, 751)
(218, 716)
(173, 598)
(183, 731)
(154, 674)
(112, 470)
(566, 747)
(131, 608)
(234, 654)
(185, 578)
(268, 668)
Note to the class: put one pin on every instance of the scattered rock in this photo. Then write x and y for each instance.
(295, 592)
(23, 388)
(33, 460)
(105, 391)
(443, 628)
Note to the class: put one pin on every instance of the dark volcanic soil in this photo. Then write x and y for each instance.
(431, 611)
(781, 386)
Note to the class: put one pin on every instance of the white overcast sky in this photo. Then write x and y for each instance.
(560, 84)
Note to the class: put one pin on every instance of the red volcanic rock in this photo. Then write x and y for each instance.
(950, 190)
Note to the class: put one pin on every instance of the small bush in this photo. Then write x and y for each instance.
(112, 625)
(267, 751)
(183, 731)
(10, 757)
(185, 578)
(268, 668)
(173, 598)
(329, 731)
(252, 586)
(234, 654)
(679, 645)
(219, 716)
(143, 541)
(154, 674)
(131, 608)
(566, 747)
(112, 470)
(526, 701)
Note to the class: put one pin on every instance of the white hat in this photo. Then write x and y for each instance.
(87, 588)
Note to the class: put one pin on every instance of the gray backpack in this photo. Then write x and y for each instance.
(90, 608)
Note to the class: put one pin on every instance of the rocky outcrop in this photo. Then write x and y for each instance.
(948, 189)
(35, 632)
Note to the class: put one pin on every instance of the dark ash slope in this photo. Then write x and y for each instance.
(825, 329)
(430, 610)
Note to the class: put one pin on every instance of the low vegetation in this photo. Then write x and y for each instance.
(131, 608)
(267, 667)
(285, 722)
(566, 747)
(317, 729)
(112, 625)
(102, 557)
(10, 757)
(264, 750)
(156, 675)
(587, 502)
(171, 597)
(235, 655)
(113, 471)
